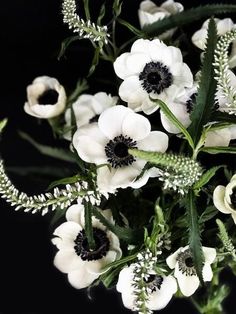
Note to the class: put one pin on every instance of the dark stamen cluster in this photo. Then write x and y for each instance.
(49, 97)
(101, 245)
(186, 265)
(117, 151)
(155, 77)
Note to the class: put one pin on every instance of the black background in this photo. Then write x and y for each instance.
(31, 32)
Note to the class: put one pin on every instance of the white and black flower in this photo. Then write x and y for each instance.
(46, 98)
(87, 109)
(108, 141)
(161, 289)
(74, 257)
(223, 26)
(185, 273)
(151, 69)
(224, 198)
(149, 13)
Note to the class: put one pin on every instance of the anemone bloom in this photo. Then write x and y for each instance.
(161, 289)
(151, 69)
(107, 143)
(46, 98)
(185, 273)
(75, 258)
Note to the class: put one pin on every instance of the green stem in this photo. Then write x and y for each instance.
(88, 225)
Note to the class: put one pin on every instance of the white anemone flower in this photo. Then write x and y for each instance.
(74, 257)
(151, 69)
(224, 198)
(161, 288)
(149, 13)
(108, 141)
(185, 273)
(223, 26)
(87, 109)
(46, 98)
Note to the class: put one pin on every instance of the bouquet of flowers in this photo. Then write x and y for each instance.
(150, 207)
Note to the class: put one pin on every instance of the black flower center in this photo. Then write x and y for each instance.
(117, 151)
(190, 103)
(101, 245)
(154, 282)
(49, 97)
(155, 77)
(185, 260)
(94, 119)
(233, 198)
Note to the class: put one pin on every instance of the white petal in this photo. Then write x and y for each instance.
(120, 66)
(172, 259)
(96, 266)
(182, 75)
(207, 273)
(74, 213)
(132, 92)
(209, 254)
(122, 177)
(181, 114)
(224, 26)
(80, 278)
(150, 173)
(124, 286)
(218, 199)
(136, 62)
(136, 126)
(90, 143)
(111, 120)
(220, 137)
(160, 298)
(68, 230)
(199, 38)
(67, 260)
(155, 141)
(187, 284)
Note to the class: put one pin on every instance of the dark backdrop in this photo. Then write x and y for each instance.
(31, 32)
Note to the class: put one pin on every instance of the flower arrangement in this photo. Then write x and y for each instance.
(151, 205)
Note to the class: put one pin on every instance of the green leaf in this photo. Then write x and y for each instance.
(219, 150)
(223, 116)
(124, 233)
(208, 214)
(109, 278)
(117, 6)
(120, 262)
(48, 171)
(58, 214)
(3, 123)
(174, 120)
(66, 43)
(133, 29)
(205, 99)
(81, 87)
(194, 235)
(95, 60)
(101, 14)
(53, 152)
(187, 17)
(64, 181)
(205, 178)
(86, 9)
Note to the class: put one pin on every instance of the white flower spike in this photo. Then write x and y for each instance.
(149, 13)
(185, 272)
(151, 69)
(161, 289)
(46, 98)
(224, 198)
(74, 257)
(107, 142)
